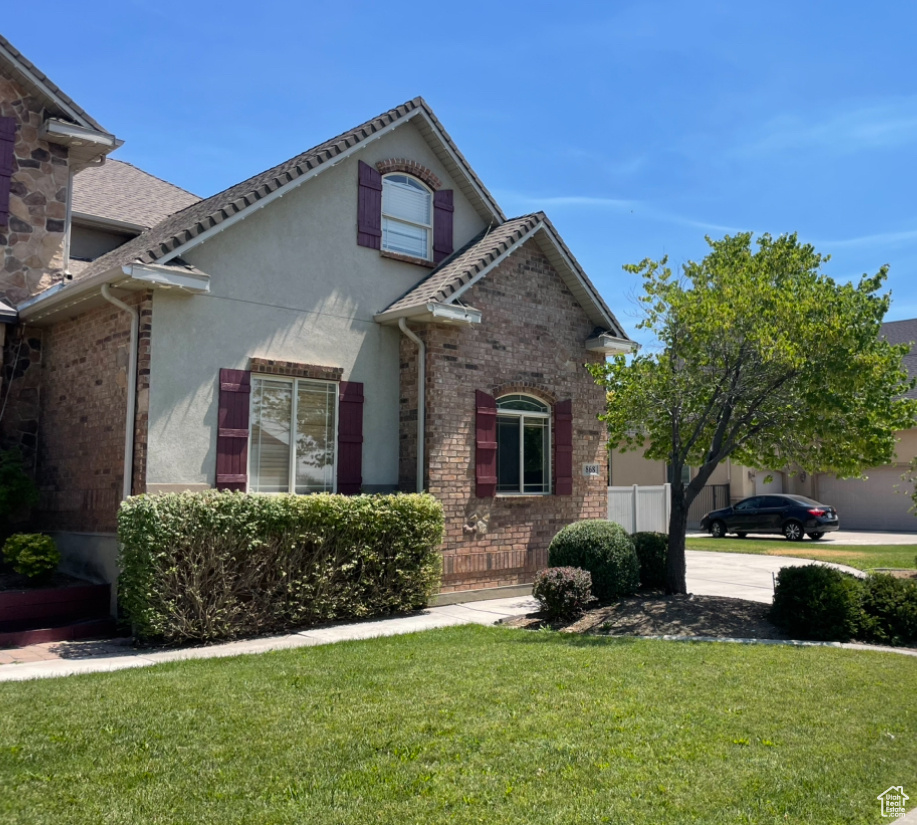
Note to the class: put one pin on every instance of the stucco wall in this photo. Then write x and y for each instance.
(290, 283)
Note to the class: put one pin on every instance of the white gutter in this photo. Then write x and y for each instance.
(611, 345)
(68, 222)
(169, 276)
(421, 397)
(53, 129)
(131, 390)
(444, 312)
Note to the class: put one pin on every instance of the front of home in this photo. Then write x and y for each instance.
(360, 318)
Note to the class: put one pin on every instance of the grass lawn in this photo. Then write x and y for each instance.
(863, 557)
(468, 725)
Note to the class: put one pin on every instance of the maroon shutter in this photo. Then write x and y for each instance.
(369, 207)
(442, 225)
(485, 454)
(7, 140)
(232, 435)
(563, 448)
(350, 438)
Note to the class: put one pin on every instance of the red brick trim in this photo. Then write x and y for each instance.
(290, 368)
(408, 259)
(409, 167)
(526, 388)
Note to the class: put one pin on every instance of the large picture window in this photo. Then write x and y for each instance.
(293, 435)
(523, 445)
(407, 216)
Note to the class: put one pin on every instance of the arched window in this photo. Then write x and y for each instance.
(407, 216)
(523, 445)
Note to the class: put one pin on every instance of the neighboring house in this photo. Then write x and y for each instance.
(881, 501)
(298, 331)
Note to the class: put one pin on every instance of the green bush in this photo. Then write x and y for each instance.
(212, 565)
(31, 554)
(815, 601)
(652, 552)
(605, 550)
(563, 592)
(890, 610)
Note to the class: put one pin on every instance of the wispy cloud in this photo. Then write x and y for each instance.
(878, 126)
(865, 241)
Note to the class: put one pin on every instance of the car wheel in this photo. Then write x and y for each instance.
(741, 535)
(718, 530)
(816, 536)
(793, 531)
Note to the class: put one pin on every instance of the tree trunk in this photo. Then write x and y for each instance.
(676, 566)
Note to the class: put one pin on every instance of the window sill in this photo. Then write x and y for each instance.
(522, 495)
(407, 259)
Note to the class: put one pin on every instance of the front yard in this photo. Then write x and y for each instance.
(862, 557)
(468, 725)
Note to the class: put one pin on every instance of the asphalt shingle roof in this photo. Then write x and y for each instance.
(121, 192)
(904, 332)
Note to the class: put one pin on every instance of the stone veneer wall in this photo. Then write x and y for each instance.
(531, 340)
(32, 242)
(66, 408)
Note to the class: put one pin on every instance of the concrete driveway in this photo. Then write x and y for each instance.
(741, 575)
(845, 537)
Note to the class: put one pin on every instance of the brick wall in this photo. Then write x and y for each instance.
(531, 340)
(66, 408)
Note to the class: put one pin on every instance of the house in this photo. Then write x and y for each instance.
(362, 317)
(880, 501)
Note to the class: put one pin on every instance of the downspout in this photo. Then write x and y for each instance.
(421, 396)
(131, 390)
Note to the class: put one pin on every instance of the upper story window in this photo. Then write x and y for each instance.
(407, 216)
(523, 445)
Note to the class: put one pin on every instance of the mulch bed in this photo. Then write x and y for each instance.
(660, 615)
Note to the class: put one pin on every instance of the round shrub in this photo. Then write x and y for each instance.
(605, 550)
(652, 551)
(563, 592)
(890, 610)
(31, 554)
(817, 602)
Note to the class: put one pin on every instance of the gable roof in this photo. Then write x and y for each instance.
(458, 273)
(119, 192)
(904, 332)
(174, 235)
(20, 68)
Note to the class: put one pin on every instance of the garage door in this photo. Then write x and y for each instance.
(775, 485)
(881, 502)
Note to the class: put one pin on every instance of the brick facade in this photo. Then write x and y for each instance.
(33, 242)
(531, 340)
(67, 406)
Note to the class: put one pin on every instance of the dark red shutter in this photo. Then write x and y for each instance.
(369, 207)
(485, 453)
(563, 448)
(7, 140)
(442, 224)
(350, 438)
(232, 435)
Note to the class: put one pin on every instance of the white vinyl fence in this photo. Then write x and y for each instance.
(639, 507)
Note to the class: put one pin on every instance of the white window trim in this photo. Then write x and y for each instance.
(429, 227)
(523, 414)
(293, 410)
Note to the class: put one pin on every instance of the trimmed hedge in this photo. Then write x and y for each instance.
(652, 552)
(563, 592)
(604, 549)
(818, 602)
(889, 610)
(220, 565)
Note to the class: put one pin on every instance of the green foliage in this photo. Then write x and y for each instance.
(207, 566)
(605, 550)
(563, 592)
(17, 490)
(890, 610)
(31, 554)
(652, 549)
(817, 602)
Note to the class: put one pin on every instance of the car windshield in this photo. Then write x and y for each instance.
(804, 500)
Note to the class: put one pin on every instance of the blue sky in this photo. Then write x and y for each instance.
(639, 127)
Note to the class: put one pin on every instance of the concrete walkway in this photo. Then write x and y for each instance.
(736, 575)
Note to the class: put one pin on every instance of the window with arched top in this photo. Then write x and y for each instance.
(407, 216)
(523, 445)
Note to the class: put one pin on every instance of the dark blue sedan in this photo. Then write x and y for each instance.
(794, 516)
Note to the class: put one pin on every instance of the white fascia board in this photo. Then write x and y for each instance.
(495, 262)
(53, 128)
(107, 223)
(432, 312)
(283, 190)
(611, 345)
(168, 277)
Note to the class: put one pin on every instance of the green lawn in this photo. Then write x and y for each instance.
(863, 557)
(468, 725)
